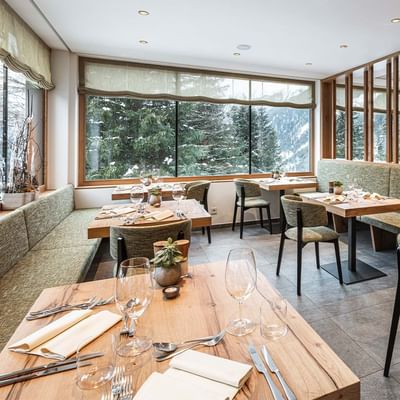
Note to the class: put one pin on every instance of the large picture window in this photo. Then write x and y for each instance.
(190, 124)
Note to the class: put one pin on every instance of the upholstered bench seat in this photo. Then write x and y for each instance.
(387, 221)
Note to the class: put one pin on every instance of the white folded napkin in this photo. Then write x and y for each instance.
(115, 212)
(218, 369)
(161, 386)
(60, 338)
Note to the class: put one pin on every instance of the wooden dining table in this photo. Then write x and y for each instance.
(357, 270)
(309, 366)
(192, 209)
(123, 192)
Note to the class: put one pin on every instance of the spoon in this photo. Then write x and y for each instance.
(167, 347)
(209, 343)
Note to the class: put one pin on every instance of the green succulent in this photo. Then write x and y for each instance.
(155, 191)
(337, 183)
(168, 256)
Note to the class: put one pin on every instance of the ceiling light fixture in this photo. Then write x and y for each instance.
(243, 47)
(236, 54)
(344, 46)
(395, 20)
(144, 13)
(143, 41)
(308, 64)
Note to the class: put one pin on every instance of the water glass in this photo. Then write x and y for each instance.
(177, 194)
(94, 376)
(273, 325)
(137, 195)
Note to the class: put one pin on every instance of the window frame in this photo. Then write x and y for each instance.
(83, 182)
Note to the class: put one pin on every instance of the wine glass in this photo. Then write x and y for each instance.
(177, 194)
(94, 376)
(136, 195)
(240, 281)
(133, 294)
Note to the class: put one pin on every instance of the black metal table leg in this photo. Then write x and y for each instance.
(357, 270)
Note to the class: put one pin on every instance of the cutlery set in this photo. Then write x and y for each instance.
(274, 369)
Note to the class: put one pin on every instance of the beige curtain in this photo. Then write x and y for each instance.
(22, 50)
(115, 79)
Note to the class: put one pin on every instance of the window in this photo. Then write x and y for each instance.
(340, 133)
(17, 95)
(189, 123)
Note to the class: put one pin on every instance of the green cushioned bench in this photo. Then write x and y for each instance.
(42, 244)
(372, 177)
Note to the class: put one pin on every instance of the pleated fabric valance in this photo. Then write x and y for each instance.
(99, 77)
(22, 50)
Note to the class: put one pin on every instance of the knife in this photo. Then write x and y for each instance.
(261, 368)
(39, 374)
(274, 369)
(44, 367)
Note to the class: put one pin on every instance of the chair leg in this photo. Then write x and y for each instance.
(261, 218)
(339, 264)
(395, 323)
(241, 221)
(281, 246)
(269, 219)
(234, 217)
(203, 231)
(299, 257)
(209, 234)
(317, 254)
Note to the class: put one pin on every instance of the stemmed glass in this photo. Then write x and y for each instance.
(94, 376)
(177, 194)
(133, 294)
(240, 281)
(137, 195)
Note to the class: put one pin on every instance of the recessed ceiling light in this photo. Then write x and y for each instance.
(395, 20)
(308, 64)
(143, 42)
(144, 13)
(344, 46)
(243, 47)
(236, 54)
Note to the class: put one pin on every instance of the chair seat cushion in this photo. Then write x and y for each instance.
(313, 234)
(71, 232)
(389, 221)
(253, 202)
(38, 270)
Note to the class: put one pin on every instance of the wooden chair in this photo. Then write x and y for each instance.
(248, 195)
(198, 190)
(137, 241)
(306, 223)
(395, 317)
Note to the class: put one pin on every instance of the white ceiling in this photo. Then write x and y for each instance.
(284, 34)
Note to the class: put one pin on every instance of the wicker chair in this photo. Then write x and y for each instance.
(248, 195)
(306, 224)
(137, 241)
(199, 190)
(395, 317)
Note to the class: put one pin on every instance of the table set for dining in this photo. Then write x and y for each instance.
(192, 347)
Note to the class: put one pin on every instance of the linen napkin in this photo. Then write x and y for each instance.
(162, 386)
(218, 369)
(59, 340)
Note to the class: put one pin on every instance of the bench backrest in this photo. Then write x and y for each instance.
(13, 240)
(43, 215)
(372, 177)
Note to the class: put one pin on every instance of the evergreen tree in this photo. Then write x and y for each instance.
(340, 128)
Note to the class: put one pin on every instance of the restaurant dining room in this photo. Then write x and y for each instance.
(199, 200)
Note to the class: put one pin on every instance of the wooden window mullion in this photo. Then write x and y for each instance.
(389, 140)
(370, 116)
(395, 124)
(333, 122)
(348, 136)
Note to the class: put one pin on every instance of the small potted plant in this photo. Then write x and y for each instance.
(155, 196)
(338, 187)
(167, 262)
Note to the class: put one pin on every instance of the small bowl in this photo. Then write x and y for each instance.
(170, 292)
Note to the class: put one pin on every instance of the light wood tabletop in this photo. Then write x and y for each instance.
(308, 364)
(351, 208)
(100, 228)
(287, 184)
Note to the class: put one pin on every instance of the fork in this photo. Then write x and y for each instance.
(46, 310)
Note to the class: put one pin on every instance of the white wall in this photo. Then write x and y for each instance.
(62, 159)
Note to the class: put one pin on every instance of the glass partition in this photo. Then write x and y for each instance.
(340, 116)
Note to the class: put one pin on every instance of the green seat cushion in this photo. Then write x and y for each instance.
(252, 202)
(13, 240)
(371, 177)
(43, 215)
(71, 232)
(314, 234)
(389, 221)
(38, 270)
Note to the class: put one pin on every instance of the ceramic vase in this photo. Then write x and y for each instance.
(168, 276)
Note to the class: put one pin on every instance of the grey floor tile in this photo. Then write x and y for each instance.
(377, 387)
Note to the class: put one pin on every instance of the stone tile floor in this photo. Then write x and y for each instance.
(354, 320)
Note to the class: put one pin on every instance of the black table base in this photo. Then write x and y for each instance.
(364, 272)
